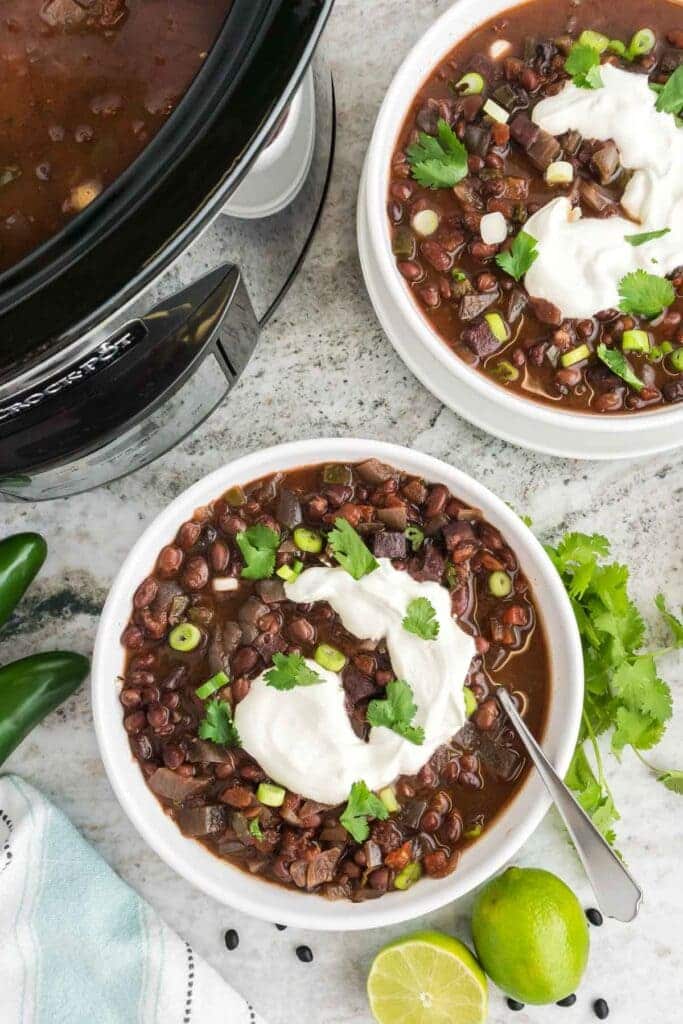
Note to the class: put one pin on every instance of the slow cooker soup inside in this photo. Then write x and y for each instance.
(85, 85)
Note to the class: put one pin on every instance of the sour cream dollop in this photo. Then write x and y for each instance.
(303, 737)
(580, 263)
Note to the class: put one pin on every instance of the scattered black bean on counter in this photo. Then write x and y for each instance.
(601, 1009)
(305, 954)
(281, 927)
(232, 939)
(514, 1005)
(567, 1001)
(594, 916)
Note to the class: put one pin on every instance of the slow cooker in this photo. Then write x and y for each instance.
(121, 333)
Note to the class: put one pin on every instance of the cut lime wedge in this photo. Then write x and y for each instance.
(427, 978)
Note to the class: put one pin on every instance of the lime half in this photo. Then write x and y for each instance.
(427, 978)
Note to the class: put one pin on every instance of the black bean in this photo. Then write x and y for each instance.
(601, 1009)
(232, 939)
(567, 1001)
(514, 1005)
(305, 954)
(594, 916)
(281, 927)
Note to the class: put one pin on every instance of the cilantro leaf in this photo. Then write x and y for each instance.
(258, 545)
(645, 294)
(674, 624)
(218, 726)
(416, 537)
(397, 712)
(291, 670)
(519, 257)
(583, 64)
(673, 780)
(439, 162)
(421, 619)
(670, 99)
(350, 550)
(362, 804)
(646, 236)
(255, 829)
(619, 364)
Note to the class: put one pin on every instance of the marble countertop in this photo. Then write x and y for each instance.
(325, 344)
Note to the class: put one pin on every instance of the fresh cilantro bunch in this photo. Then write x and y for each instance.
(645, 294)
(362, 805)
(623, 695)
(439, 162)
(421, 619)
(397, 712)
(258, 545)
(583, 64)
(218, 726)
(291, 670)
(519, 257)
(350, 550)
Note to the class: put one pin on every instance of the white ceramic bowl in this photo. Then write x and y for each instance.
(230, 885)
(463, 389)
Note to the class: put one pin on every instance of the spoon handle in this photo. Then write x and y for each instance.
(618, 895)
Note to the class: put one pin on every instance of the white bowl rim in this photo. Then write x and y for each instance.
(250, 894)
(440, 39)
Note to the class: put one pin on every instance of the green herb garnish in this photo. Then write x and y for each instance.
(255, 829)
(670, 99)
(646, 236)
(623, 693)
(361, 806)
(645, 294)
(439, 162)
(619, 364)
(416, 537)
(583, 64)
(350, 550)
(421, 619)
(218, 726)
(291, 670)
(397, 712)
(519, 258)
(258, 545)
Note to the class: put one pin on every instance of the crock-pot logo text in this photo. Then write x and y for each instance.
(103, 354)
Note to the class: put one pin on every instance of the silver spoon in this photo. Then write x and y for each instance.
(618, 895)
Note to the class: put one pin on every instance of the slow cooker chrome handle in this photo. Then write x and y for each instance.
(129, 380)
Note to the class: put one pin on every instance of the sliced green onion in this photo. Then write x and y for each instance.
(658, 352)
(388, 798)
(211, 685)
(497, 326)
(425, 222)
(184, 637)
(337, 473)
(616, 46)
(270, 795)
(289, 573)
(504, 370)
(410, 874)
(496, 112)
(595, 40)
(474, 831)
(500, 583)
(458, 275)
(676, 360)
(307, 540)
(416, 537)
(575, 355)
(470, 84)
(470, 702)
(641, 43)
(330, 658)
(635, 341)
(559, 172)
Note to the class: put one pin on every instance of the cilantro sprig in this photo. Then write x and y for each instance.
(397, 712)
(362, 805)
(421, 619)
(439, 162)
(645, 236)
(519, 257)
(350, 550)
(624, 695)
(583, 64)
(670, 99)
(218, 726)
(619, 364)
(290, 670)
(258, 545)
(644, 294)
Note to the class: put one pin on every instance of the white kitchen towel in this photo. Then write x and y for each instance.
(78, 946)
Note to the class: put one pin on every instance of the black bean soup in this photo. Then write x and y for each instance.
(453, 275)
(197, 595)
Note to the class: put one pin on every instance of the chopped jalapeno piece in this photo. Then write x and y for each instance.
(236, 497)
(474, 831)
(307, 540)
(676, 360)
(403, 243)
(500, 583)
(575, 355)
(337, 473)
(470, 701)
(504, 370)
(497, 326)
(270, 795)
(410, 874)
(388, 798)
(329, 657)
(470, 84)
(211, 685)
(184, 637)
(635, 341)
(289, 573)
